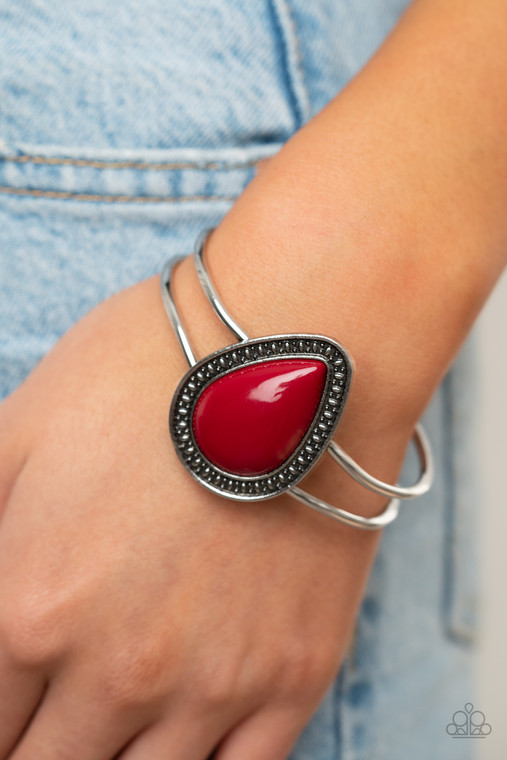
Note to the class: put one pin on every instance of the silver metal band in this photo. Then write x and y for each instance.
(389, 514)
(209, 288)
(333, 449)
(172, 311)
(385, 489)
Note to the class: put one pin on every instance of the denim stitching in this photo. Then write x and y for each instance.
(298, 60)
(452, 627)
(161, 166)
(61, 195)
(282, 18)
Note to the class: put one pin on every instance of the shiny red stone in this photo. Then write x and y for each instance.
(250, 420)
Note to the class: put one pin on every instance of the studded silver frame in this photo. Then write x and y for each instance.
(313, 443)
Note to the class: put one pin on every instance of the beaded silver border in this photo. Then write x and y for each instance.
(314, 442)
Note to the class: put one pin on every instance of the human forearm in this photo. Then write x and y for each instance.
(382, 222)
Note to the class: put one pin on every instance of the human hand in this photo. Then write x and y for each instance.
(142, 616)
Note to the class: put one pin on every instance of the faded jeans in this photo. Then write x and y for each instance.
(125, 128)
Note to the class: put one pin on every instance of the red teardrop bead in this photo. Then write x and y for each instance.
(250, 420)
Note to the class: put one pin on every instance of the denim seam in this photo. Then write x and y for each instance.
(160, 166)
(297, 61)
(291, 59)
(453, 629)
(61, 195)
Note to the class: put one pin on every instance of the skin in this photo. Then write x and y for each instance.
(142, 616)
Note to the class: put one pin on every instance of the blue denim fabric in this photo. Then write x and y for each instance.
(125, 128)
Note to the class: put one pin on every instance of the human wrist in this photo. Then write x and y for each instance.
(382, 449)
(267, 296)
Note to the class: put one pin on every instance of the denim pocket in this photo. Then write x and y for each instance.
(161, 74)
(78, 225)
